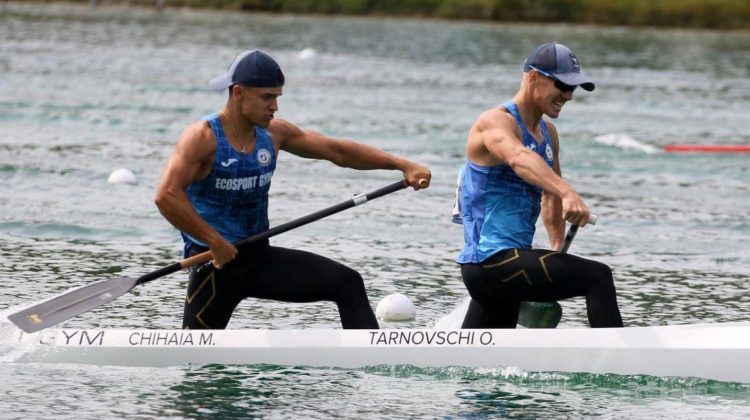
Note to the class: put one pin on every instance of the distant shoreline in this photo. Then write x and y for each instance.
(695, 14)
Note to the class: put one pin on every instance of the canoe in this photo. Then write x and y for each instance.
(712, 351)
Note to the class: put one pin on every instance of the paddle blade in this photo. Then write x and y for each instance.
(539, 314)
(71, 304)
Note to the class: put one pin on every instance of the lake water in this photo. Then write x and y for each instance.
(84, 92)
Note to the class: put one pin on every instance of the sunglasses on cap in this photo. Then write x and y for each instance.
(558, 84)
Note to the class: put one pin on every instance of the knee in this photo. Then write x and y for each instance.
(350, 280)
(601, 274)
(604, 270)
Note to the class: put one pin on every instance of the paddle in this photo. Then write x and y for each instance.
(86, 298)
(547, 314)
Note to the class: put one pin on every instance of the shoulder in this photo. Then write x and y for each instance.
(496, 122)
(283, 131)
(494, 118)
(283, 128)
(197, 141)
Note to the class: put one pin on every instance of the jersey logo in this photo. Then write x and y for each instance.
(550, 156)
(228, 162)
(264, 157)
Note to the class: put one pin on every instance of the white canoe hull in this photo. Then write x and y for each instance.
(712, 351)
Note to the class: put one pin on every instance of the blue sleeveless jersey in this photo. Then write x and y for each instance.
(497, 208)
(233, 198)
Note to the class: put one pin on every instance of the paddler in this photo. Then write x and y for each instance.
(511, 176)
(214, 189)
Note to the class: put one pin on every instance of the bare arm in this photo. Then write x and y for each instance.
(552, 214)
(191, 160)
(496, 133)
(345, 153)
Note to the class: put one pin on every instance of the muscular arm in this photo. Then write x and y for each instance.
(552, 214)
(495, 139)
(191, 160)
(345, 153)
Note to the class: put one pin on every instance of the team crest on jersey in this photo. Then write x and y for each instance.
(264, 157)
(548, 151)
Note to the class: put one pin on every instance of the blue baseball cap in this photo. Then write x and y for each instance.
(559, 61)
(250, 68)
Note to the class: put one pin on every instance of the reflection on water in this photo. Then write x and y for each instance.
(215, 391)
(219, 391)
(266, 390)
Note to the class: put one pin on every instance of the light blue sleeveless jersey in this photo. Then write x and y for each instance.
(233, 198)
(497, 208)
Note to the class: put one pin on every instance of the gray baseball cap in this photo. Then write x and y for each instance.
(250, 68)
(559, 61)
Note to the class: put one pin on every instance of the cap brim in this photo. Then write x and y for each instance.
(220, 83)
(576, 79)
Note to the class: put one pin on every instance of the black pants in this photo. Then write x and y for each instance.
(268, 272)
(499, 284)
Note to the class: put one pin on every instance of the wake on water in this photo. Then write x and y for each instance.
(623, 141)
(11, 346)
(14, 343)
(453, 320)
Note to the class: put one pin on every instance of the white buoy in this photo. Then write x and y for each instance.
(395, 307)
(122, 176)
(307, 54)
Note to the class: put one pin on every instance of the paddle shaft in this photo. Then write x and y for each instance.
(569, 238)
(572, 234)
(88, 297)
(206, 256)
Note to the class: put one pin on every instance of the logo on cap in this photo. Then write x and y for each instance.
(559, 61)
(574, 62)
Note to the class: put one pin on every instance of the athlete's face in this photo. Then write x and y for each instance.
(552, 94)
(258, 104)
